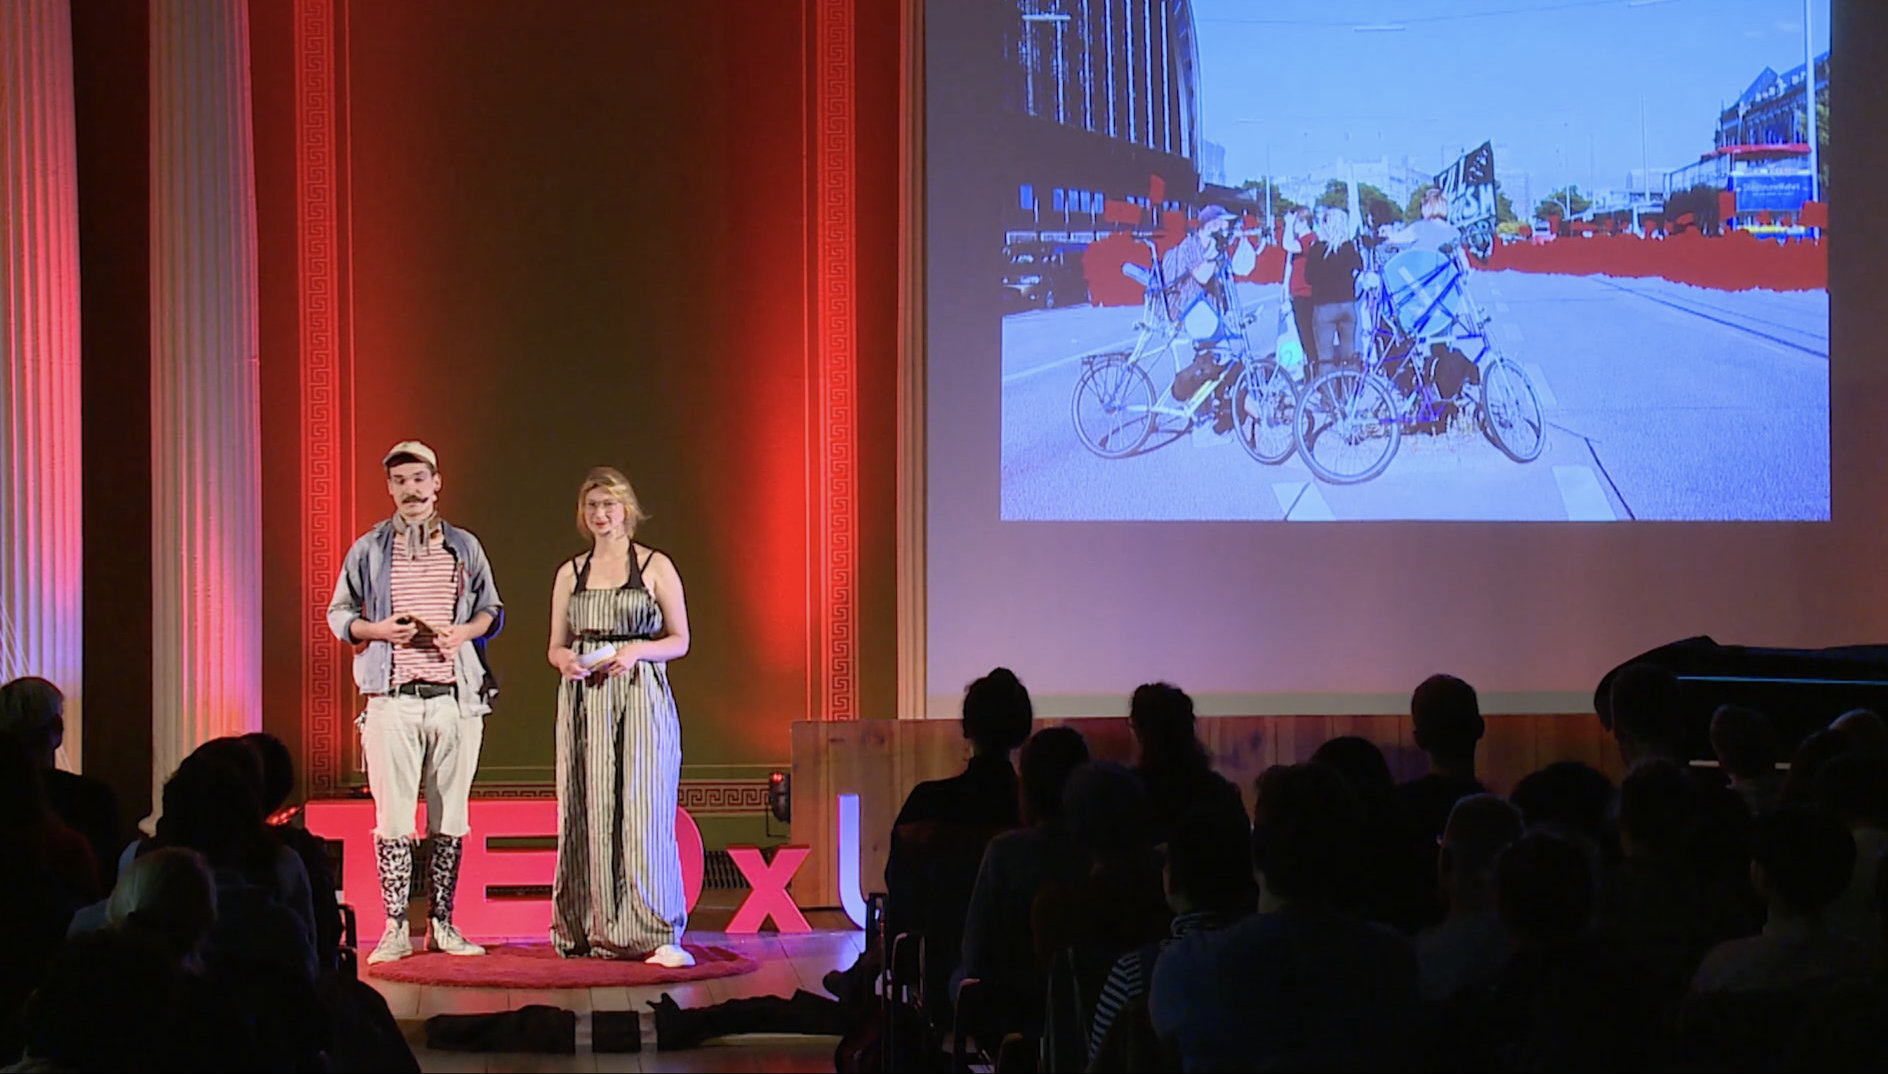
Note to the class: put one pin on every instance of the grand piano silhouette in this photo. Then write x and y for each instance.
(1801, 690)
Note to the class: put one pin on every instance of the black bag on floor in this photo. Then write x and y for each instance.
(679, 1027)
(537, 1028)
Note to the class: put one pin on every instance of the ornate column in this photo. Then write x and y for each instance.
(206, 602)
(40, 536)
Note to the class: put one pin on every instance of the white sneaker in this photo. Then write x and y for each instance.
(447, 939)
(394, 943)
(670, 957)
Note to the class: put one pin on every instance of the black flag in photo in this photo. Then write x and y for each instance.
(1469, 184)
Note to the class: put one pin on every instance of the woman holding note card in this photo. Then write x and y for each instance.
(617, 619)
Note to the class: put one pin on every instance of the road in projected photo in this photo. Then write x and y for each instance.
(1331, 261)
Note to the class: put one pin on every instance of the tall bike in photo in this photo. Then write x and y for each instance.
(1415, 313)
(1116, 406)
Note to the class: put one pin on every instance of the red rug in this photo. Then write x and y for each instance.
(538, 965)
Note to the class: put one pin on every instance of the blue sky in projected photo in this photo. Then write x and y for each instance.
(1555, 84)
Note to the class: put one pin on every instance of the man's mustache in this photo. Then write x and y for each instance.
(414, 499)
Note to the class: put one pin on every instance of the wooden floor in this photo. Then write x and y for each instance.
(787, 963)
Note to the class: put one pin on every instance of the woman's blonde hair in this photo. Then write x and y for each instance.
(1334, 227)
(611, 480)
(1435, 206)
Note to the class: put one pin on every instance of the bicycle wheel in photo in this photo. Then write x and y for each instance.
(1264, 404)
(1113, 407)
(1348, 426)
(1511, 412)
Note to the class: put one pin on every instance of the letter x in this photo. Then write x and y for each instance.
(769, 897)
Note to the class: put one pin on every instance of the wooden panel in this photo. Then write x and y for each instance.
(1511, 748)
(881, 760)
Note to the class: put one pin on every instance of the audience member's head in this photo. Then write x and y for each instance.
(105, 1003)
(1567, 797)
(1866, 732)
(1801, 858)
(1854, 786)
(1106, 810)
(1044, 766)
(1817, 749)
(1480, 827)
(210, 808)
(1161, 716)
(1648, 720)
(278, 769)
(1544, 889)
(1447, 719)
(167, 896)
(997, 712)
(34, 711)
(1658, 810)
(242, 759)
(1307, 836)
(1209, 863)
(1361, 764)
(1745, 742)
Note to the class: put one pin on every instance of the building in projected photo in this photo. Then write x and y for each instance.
(1103, 94)
(1770, 111)
(1759, 162)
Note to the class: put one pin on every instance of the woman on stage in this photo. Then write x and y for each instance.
(617, 619)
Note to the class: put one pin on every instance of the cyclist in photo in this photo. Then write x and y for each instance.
(1194, 305)
(1189, 268)
(1447, 368)
(1431, 229)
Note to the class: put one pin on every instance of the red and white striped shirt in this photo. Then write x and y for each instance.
(426, 588)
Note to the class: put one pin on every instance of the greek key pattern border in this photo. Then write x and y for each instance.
(701, 797)
(832, 139)
(326, 458)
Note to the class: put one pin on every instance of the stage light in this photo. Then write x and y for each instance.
(780, 796)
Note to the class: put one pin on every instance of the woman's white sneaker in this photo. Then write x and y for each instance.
(670, 957)
(395, 943)
(447, 939)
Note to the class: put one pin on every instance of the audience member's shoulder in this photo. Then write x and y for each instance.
(1718, 801)
(1018, 841)
(1187, 951)
(79, 790)
(1435, 788)
(1726, 966)
(932, 790)
(87, 919)
(300, 840)
(1388, 941)
(1224, 790)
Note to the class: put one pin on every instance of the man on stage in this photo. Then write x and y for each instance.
(413, 591)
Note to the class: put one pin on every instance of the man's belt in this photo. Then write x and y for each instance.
(424, 689)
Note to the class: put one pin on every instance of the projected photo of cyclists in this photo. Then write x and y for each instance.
(1331, 260)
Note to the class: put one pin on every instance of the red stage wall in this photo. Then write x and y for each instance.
(652, 236)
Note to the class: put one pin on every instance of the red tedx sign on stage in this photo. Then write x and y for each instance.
(482, 916)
